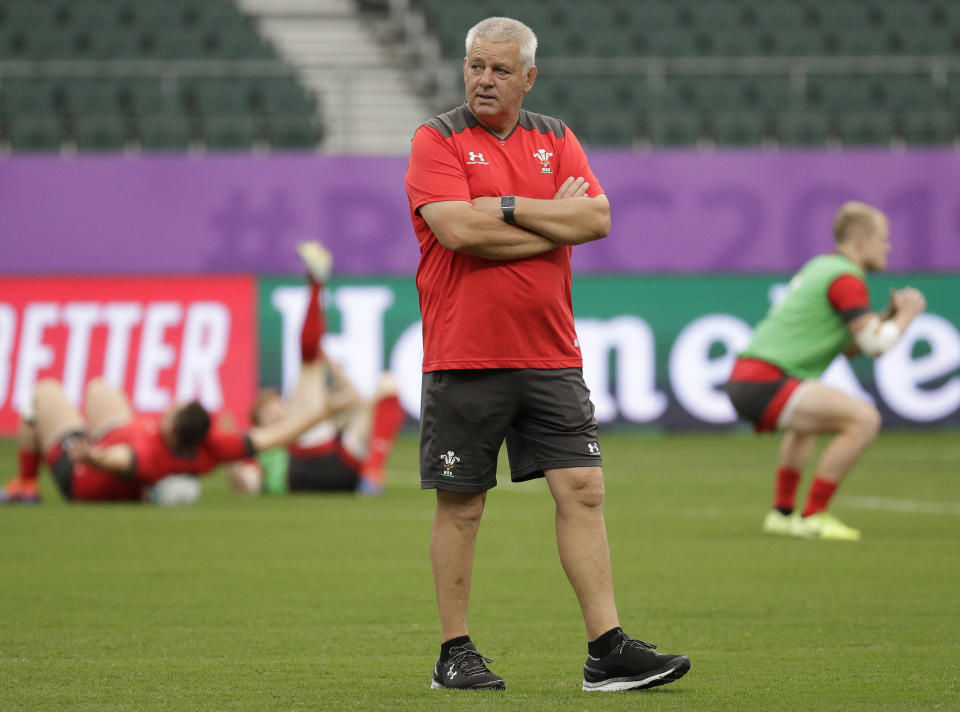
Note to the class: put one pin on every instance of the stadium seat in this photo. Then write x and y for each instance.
(27, 98)
(163, 133)
(167, 110)
(100, 133)
(927, 129)
(34, 133)
(677, 129)
(229, 132)
(841, 30)
(741, 128)
(804, 129)
(293, 132)
(91, 97)
(865, 129)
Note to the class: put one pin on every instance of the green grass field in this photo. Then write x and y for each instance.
(326, 603)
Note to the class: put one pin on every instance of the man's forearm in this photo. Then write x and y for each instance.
(565, 222)
(287, 430)
(467, 229)
(517, 244)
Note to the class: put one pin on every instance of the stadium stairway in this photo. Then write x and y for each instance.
(370, 106)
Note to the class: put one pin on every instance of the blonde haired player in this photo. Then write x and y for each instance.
(826, 312)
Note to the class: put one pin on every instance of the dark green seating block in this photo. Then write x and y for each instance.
(31, 97)
(91, 97)
(100, 133)
(741, 129)
(293, 132)
(229, 132)
(928, 129)
(34, 134)
(805, 129)
(675, 129)
(865, 129)
(164, 133)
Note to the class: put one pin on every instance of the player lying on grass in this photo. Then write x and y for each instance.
(344, 453)
(826, 312)
(107, 454)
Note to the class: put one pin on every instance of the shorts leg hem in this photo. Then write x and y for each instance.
(470, 488)
(532, 472)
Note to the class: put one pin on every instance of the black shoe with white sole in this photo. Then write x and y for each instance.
(632, 665)
(465, 669)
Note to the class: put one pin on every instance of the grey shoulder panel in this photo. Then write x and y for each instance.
(454, 121)
(541, 123)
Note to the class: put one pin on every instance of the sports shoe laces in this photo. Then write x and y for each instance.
(633, 643)
(469, 661)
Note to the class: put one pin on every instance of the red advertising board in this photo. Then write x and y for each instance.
(161, 339)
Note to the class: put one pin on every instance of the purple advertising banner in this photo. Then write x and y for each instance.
(673, 211)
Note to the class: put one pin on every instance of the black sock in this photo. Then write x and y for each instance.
(445, 647)
(605, 643)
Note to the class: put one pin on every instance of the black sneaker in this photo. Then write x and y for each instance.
(632, 665)
(465, 670)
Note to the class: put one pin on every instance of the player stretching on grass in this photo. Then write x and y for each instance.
(108, 454)
(498, 196)
(826, 312)
(342, 454)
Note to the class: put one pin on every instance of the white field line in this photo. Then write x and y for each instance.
(907, 506)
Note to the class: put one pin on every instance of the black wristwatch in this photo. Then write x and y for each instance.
(508, 204)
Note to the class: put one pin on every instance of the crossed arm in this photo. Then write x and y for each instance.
(478, 229)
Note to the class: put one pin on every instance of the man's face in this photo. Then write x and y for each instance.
(875, 247)
(495, 83)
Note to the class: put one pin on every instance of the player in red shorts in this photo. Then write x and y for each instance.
(345, 453)
(108, 454)
(826, 312)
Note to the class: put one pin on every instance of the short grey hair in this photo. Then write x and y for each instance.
(506, 29)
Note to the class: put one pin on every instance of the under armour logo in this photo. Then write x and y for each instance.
(451, 673)
(476, 158)
(593, 448)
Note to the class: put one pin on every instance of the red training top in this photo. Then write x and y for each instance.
(153, 460)
(849, 297)
(480, 313)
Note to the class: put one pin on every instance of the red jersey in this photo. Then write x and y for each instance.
(480, 313)
(153, 460)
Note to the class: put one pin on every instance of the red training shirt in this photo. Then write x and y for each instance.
(849, 297)
(480, 313)
(153, 460)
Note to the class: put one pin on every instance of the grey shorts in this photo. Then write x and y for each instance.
(545, 416)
